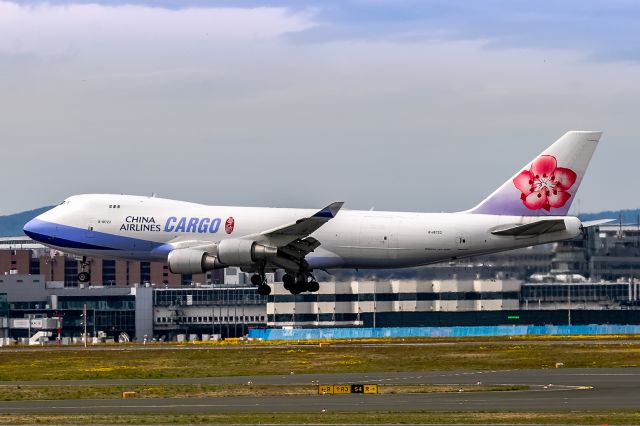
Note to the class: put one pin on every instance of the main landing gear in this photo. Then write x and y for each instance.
(84, 276)
(260, 280)
(296, 283)
(300, 282)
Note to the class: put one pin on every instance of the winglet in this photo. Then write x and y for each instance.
(330, 211)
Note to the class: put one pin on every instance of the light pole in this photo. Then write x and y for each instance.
(374, 304)
(84, 318)
(569, 310)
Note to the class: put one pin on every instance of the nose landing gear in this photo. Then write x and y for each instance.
(84, 276)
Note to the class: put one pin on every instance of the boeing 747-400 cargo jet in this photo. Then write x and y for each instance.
(530, 208)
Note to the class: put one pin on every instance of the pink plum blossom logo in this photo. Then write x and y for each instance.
(229, 224)
(545, 185)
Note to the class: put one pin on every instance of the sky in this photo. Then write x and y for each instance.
(386, 104)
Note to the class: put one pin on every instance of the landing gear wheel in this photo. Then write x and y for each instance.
(313, 286)
(84, 277)
(256, 280)
(288, 281)
(303, 281)
(264, 290)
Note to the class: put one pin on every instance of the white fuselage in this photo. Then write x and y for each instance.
(147, 228)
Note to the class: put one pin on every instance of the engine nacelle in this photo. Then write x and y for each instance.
(192, 261)
(232, 252)
(237, 252)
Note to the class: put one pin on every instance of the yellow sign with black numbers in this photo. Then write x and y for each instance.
(341, 389)
(346, 389)
(370, 388)
(324, 389)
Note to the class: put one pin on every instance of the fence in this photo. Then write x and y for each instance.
(506, 330)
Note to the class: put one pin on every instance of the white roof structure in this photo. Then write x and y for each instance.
(19, 242)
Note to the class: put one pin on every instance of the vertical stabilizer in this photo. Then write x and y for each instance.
(548, 184)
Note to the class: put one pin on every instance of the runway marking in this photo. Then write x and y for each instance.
(602, 374)
(55, 407)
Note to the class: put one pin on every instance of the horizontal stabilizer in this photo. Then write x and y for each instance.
(591, 223)
(534, 228)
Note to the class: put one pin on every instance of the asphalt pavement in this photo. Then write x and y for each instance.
(550, 389)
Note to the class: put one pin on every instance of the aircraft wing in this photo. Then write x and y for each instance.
(293, 239)
(532, 229)
(297, 230)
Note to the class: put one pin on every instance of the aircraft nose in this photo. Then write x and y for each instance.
(32, 229)
(29, 227)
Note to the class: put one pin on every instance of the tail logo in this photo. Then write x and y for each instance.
(545, 185)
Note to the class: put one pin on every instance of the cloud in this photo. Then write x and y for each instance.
(234, 105)
(607, 31)
(51, 30)
(600, 31)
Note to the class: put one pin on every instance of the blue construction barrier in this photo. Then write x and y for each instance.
(501, 330)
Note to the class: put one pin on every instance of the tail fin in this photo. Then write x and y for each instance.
(547, 185)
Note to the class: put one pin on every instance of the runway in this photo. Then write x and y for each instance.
(551, 389)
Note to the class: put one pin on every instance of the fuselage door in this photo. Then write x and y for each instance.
(91, 227)
(462, 241)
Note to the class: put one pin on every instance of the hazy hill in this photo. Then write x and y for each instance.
(628, 216)
(11, 225)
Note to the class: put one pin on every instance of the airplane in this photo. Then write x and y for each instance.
(530, 208)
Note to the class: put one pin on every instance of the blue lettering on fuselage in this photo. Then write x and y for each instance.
(168, 227)
(181, 224)
(192, 224)
(204, 225)
(215, 224)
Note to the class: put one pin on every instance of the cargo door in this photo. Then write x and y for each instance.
(462, 242)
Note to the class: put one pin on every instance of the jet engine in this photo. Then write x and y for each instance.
(192, 261)
(237, 252)
(233, 252)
